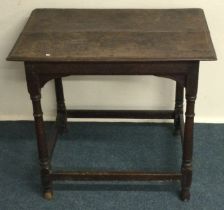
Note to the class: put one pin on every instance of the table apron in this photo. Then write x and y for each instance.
(174, 70)
(112, 68)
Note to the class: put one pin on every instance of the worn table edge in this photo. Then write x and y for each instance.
(11, 58)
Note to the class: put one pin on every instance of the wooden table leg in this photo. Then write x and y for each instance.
(191, 91)
(178, 107)
(45, 168)
(61, 109)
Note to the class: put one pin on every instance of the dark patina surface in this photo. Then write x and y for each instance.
(165, 43)
(114, 35)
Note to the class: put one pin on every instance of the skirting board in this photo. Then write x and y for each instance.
(50, 118)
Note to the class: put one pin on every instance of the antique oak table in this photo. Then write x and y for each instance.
(167, 43)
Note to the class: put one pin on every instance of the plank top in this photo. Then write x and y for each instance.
(69, 35)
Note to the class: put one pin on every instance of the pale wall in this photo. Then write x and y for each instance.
(109, 92)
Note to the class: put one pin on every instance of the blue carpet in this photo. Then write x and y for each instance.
(111, 146)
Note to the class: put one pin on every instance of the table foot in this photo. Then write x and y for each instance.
(48, 195)
(185, 195)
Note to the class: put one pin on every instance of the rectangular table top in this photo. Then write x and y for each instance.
(69, 35)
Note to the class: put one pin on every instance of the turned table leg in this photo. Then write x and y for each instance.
(178, 107)
(191, 91)
(45, 168)
(61, 109)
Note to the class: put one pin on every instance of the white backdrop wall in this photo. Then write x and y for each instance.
(116, 92)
